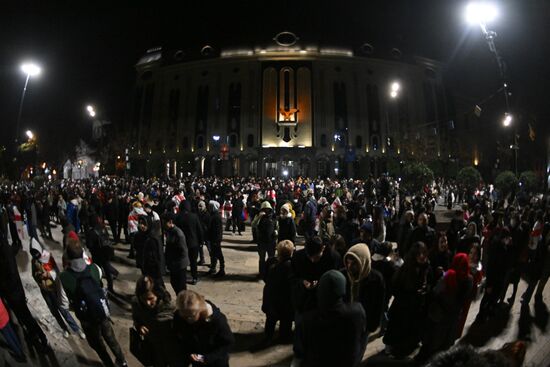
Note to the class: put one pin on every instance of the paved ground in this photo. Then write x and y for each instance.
(239, 297)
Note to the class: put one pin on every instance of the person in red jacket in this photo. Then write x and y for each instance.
(10, 337)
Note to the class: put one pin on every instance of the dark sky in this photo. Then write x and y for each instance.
(88, 52)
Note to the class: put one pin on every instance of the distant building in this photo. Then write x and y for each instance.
(286, 109)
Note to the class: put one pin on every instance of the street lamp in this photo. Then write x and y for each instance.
(30, 69)
(91, 110)
(508, 118)
(394, 89)
(29, 134)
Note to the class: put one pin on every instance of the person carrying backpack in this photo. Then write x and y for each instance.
(84, 288)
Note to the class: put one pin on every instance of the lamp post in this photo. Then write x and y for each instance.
(482, 14)
(30, 69)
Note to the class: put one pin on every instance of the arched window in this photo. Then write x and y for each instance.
(323, 141)
(358, 141)
(250, 140)
(375, 142)
(200, 142)
(185, 142)
(233, 140)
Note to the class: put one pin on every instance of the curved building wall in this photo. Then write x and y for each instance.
(286, 113)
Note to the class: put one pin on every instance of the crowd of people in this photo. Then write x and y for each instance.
(374, 263)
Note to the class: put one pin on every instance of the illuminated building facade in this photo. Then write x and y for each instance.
(286, 108)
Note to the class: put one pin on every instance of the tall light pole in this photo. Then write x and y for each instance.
(481, 14)
(30, 69)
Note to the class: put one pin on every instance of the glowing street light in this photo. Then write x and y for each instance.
(216, 137)
(91, 110)
(507, 121)
(394, 89)
(31, 69)
(481, 13)
(29, 134)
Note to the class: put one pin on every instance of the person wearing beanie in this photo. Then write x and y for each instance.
(98, 331)
(334, 334)
(366, 237)
(364, 284)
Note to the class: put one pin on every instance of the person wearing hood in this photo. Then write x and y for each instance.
(176, 254)
(203, 331)
(191, 226)
(334, 334)
(133, 228)
(448, 300)
(364, 284)
(215, 235)
(97, 330)
(310, 215)
(287, 226)
(148, 249)
(365, 236)
(46, 274)
(267, 235)
(153, 313)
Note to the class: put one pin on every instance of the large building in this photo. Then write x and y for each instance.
(286, 108)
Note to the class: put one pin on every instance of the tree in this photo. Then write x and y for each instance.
(468, 178)
(506, 182)
(529, 181)
(416, 175)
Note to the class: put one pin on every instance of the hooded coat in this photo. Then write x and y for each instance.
(368, 288)
(334, 334)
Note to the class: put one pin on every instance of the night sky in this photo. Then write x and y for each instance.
(88, 53)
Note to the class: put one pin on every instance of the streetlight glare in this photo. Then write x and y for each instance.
(31, 69)
(507, 120)
(89, 108)
(216, 137)
(92, 113)
(29, 134)
(395, 86)
(393, 94)
(481, 13)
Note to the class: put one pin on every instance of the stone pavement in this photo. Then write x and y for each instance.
(239, 296)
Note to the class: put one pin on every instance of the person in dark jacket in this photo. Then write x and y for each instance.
(404, 234)
(423, 233)
(177, 258)
(97, 241)
(204, 218)
(237, 208)
(266, 236)
(152, 312)
(277, 303)
(191, 226)
(383, 262)
(112, 214)
(287, 227)
(123, 213)
(364, 284)
(334, 334)
(440, 257)
(495, 273)
(308, 265)
(215, 235)
(452, 292)
(310, 215)
(148, 250)
(203, 331)
(408, 310)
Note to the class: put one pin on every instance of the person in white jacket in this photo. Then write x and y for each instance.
(137, 211)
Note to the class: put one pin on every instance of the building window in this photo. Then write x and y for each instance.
(373, 107)
(200, 142)
(340, 106)
(234, 108)
(148, 104)
(233, 140)
(202, 108)
(358, 141)
(250, 140)
(375, 142)
(173, 105)
(323, 141)
(185, 142)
